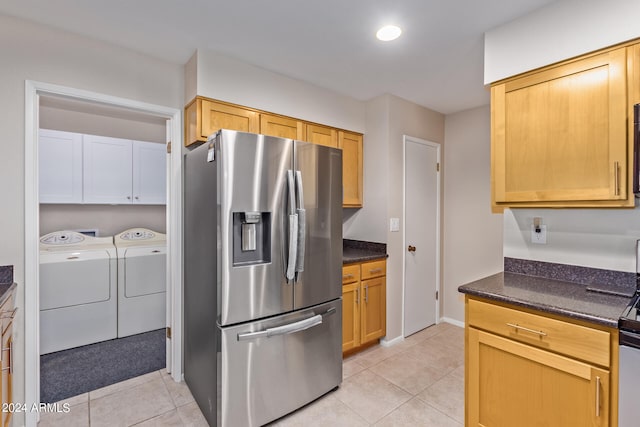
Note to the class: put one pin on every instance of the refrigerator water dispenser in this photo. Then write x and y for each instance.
(251, 238)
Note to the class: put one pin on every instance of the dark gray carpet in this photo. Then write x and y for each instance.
(78, 370)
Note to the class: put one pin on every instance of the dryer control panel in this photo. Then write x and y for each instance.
(137, 235)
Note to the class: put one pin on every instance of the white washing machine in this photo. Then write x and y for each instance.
(78, 290)
(142, 281)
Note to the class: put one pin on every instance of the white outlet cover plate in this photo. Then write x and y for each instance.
(394, 224)
(539, 238)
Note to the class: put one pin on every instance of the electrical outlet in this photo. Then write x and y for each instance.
(394, 224)
(539, 237)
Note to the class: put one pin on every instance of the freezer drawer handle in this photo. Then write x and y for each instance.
(284, 329)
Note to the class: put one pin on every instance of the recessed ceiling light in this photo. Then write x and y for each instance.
(388, 33)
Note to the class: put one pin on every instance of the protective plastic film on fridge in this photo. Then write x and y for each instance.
(262, 291)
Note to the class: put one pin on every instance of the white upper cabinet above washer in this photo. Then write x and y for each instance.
(107, 170)
(60, 156)
(149, 173)
(76, 168)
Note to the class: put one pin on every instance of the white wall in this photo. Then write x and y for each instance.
(108, 219)
(227, 79)
(370, 222)
(598, 238)
(559, 31)
(152, 129)
(31, 51)
(472, 234)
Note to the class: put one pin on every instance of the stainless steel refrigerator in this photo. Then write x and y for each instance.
(262, 281)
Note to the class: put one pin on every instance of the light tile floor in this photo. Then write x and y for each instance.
(418, 382)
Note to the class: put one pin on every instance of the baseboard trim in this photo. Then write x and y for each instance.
(452, 321)
(384, 342)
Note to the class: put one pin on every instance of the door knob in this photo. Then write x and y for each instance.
(411, 248)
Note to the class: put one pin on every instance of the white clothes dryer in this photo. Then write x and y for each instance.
(78, 290)
(142, 281)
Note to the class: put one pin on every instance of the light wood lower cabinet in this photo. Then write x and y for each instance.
(363, 304)
(524, 369)
(7, 313)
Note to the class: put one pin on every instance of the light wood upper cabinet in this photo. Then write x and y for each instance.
(283, 127)
(321, 135)
(204, 117)
(351, 145)
(559, 135)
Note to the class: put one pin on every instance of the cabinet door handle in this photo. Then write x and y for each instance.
(128, 197)
(357, 296)
(533, 331)
(366, 293)
(616, 177)
(8, 314)
(347, 276)
(375, 270)
(597, 396)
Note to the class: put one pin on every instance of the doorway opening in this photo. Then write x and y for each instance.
(121, 122)
(421, 234)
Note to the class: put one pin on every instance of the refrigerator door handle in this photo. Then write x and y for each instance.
(302, 223)
(290, 328)
(293, 229)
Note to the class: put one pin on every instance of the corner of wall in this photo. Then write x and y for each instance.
(191, 78)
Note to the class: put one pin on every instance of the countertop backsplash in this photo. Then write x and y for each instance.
(598, 280)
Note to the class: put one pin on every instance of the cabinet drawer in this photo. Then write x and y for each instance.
(350, 273)
(577, 341)
(373, 269)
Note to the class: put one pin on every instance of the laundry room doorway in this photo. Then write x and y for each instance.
(82, 149)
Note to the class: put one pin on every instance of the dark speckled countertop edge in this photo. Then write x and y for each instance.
(354, 251)
(5, 291)
(537, 293)
(6, 282)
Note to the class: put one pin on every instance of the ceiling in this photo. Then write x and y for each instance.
(436, 63)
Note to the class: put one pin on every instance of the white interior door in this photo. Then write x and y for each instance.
(422, 234)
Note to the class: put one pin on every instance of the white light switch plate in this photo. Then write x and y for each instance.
(541, 237)
(394, 224)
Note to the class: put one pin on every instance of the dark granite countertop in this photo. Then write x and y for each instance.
(359, 251)
(552, 296)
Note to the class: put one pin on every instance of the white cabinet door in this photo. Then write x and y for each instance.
(149, 173)
(60, 168)
(107, 170)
